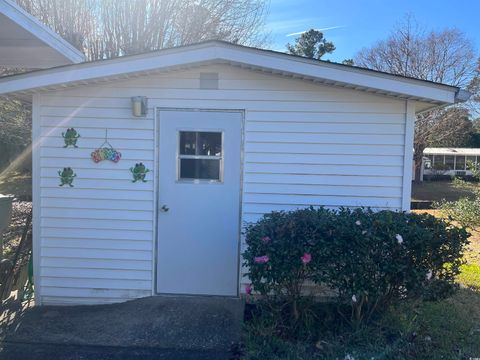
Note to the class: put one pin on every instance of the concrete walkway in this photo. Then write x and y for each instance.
(151, 328)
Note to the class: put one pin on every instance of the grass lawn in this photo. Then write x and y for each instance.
(445, 329)
(438, 190)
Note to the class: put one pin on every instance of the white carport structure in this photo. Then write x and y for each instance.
(27, 43)
(449, 161)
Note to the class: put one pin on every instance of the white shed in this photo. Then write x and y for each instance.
(228, 133)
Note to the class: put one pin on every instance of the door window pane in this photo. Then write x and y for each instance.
(200, 155)
(188, 142)
(202, 169)
(200, 143)
(209, 143)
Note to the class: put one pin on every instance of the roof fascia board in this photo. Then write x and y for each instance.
(41, 31)
(215, 51)
(452, 151)
(334, 65)
(408, 87)
(95, 70)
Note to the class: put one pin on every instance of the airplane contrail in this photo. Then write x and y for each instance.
(323, 29)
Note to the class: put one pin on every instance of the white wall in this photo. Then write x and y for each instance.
(305, 144)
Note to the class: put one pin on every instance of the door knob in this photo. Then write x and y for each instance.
(164, 208)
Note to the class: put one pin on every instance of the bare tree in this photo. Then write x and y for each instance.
(474, 88)
(110, 28)
(453, 129)
(103, 29)
(442, 56)
(72, 19)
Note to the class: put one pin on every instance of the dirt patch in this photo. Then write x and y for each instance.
(17, 183)
(13, 234)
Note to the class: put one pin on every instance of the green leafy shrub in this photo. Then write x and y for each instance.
(371, 259)
(474, 167)
(15, 131)
(378, 258)
(279, 252)
(465, 211)
(459, 183)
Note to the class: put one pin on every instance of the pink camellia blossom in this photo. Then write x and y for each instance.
(306, 258)
(261, 259)
(266, 239)
(358, 223)
(354, 298)
(248, 289)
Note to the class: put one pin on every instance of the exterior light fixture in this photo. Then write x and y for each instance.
(139, 106)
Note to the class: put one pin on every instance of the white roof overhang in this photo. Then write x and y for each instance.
(26, 43)
(452, 151)
(426, 94)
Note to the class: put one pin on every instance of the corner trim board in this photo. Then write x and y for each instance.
(36, 206)
(408, 155)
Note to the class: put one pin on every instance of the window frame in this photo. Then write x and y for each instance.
(220, 158)
(475, 158)
(464, 167)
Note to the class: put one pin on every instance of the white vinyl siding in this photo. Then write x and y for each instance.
(304, 144)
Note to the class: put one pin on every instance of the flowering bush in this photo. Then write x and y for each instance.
(279, 253)
(370, 259)
(388, 257)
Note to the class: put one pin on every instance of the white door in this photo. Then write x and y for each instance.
(199, 202)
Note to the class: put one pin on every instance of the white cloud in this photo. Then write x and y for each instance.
(322, 30)
(283, 25)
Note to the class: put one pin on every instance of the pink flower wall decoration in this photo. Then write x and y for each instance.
(306, 258)
(261, 259)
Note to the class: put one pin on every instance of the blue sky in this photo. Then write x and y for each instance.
(361, 23)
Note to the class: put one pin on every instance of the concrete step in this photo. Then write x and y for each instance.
(180, 322)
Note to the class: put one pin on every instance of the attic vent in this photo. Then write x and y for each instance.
(208, 80)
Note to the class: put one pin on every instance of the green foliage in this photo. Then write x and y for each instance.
(311, 44)
(465, 211)
(411, 330)
(474, 167)
(459, 183)
(15, 130)
(379, 258)
(276, 245)
(370, 259)
(474, 141)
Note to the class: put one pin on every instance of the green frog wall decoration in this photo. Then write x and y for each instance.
(139, 172)
(66, 176)
(70, 137)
